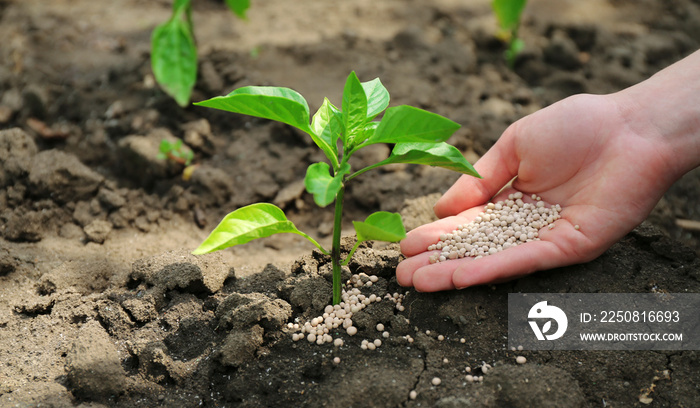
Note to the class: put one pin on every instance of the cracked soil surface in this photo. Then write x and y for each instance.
(102, 305)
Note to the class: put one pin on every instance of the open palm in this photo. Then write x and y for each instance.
(580, 153)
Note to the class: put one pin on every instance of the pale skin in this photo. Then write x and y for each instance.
(606, 159)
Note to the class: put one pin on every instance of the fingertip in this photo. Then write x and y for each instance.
(407, 246)
(405, 270)
(404, 277)
(498, 166)
(419, 239)
(459, 197)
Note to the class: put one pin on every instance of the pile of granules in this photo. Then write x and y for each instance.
(502, 225)
(318, 330)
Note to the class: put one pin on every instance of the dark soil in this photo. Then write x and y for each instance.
(101, 304)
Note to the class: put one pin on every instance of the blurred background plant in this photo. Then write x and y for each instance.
(179, 153)
(174, 50)
(175, 152)
(508, 14)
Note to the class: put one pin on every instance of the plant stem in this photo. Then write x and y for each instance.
(335, 249)
(177, 159)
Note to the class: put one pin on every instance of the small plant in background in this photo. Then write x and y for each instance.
(175, 152)
(174, 51)
(178, 153)
(418, 137)
(508, 13)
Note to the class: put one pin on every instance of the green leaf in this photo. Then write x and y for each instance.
(377, 97)
(246, 224)
(239, 7)
(508, 12)
(322, 185)
(269, 102)
(180, 6)
(354, 108)
(381, 226)
(165, 146)
(275, 103)
(431, 154)
(408, 124)
(513, 50)
(368, 131)
(516, 46)
(187, 155)
(327, 123)
(174, 58)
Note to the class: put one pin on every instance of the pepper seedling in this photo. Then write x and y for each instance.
(418, 136)
(508, 13)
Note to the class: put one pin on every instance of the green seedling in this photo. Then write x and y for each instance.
(418, 137)
(174, 51)
(178, 153)
(175, 152)
(508, 13)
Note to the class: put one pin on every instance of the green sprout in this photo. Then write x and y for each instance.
(508, 13)
(174, 52)
(418, 137)
(175, 152)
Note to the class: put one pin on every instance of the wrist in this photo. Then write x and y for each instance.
(666, 110)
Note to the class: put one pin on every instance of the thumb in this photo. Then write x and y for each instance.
(497, 167)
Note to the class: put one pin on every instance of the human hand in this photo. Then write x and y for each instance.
(580, 153)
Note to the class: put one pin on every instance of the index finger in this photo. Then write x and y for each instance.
(418, 239)
(498, 166)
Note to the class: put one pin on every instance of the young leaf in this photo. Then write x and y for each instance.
(165, 146)
(327, 123)
(275, 103)
(174, 57)
(239, 7)
(380, 226)
(248, 223)
(354, 107)
(408, 124)
(516, 45)
(432, 154)
(377, 97)
(367, 132)
(321, 184)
